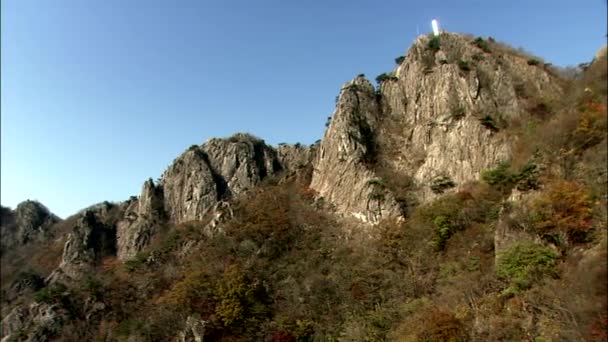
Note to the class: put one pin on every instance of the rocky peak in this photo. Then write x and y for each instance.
(90, 239)
(141, 218)
(343, 165)
(241, 161)
(30, 221)
(436, 117)
(193, 186)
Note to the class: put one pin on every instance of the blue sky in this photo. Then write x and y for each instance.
(97, 96)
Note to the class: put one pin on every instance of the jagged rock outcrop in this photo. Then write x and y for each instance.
(40, 320)
(342, 167)
(194, 185)
(241, 162)
(450, 111)
(194, 331)
(438, 115)
(141, 219)
(26, 283)
(30, 221)
(87, 243)
(219, 169)
(293, 157)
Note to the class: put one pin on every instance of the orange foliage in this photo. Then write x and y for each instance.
(193, 292)
(564, 207)
(592, 124)
(439, 325)
(263, 216)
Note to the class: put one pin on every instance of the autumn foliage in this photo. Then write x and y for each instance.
(565, 208)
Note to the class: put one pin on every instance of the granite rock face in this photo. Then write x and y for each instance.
(140, 221)
(40, 319)
(294, 157)
(439, 114)
(92, 237)
(342, 167)
(30, 221)
(194, 185)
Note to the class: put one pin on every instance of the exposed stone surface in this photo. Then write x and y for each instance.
(26, 283)
(293, 157)
(40, 320)
(341, 168)
(194, 185)
(219, 169)
(241, 162)
(141, 218)
(439, 116)
(194, 331)
(439, 108)
(601, 55)
(30, 221)
(87, 243)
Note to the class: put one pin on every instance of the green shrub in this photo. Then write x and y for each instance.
(384, 77)
(482, 44)
(52, 294)
(503, 179)
(434, 43)
(500, 176)
(533, 61)
(527, 179)
(478, 56)
(448, 269)
(464, 65)
(488, 122)
(399, 60)
(444, 229)
(130, 327)
(93, 286)
(473, 264)
(441, 183)
(304, 330)
(136, 262)
(525, 264)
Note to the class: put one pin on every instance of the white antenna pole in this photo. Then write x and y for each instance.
(435, 25)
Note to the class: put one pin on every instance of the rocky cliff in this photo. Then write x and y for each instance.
(30, 221)
(343, 172)
(92, 237)
(447, 111)
(437, 118)
(198, 181)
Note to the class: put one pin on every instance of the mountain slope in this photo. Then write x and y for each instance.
(464, 198)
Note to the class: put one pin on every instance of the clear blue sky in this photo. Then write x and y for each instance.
(99, 95)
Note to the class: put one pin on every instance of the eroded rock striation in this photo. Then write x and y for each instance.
(437, 117)
(195, 184)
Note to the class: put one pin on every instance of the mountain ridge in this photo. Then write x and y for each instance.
(413, 149)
